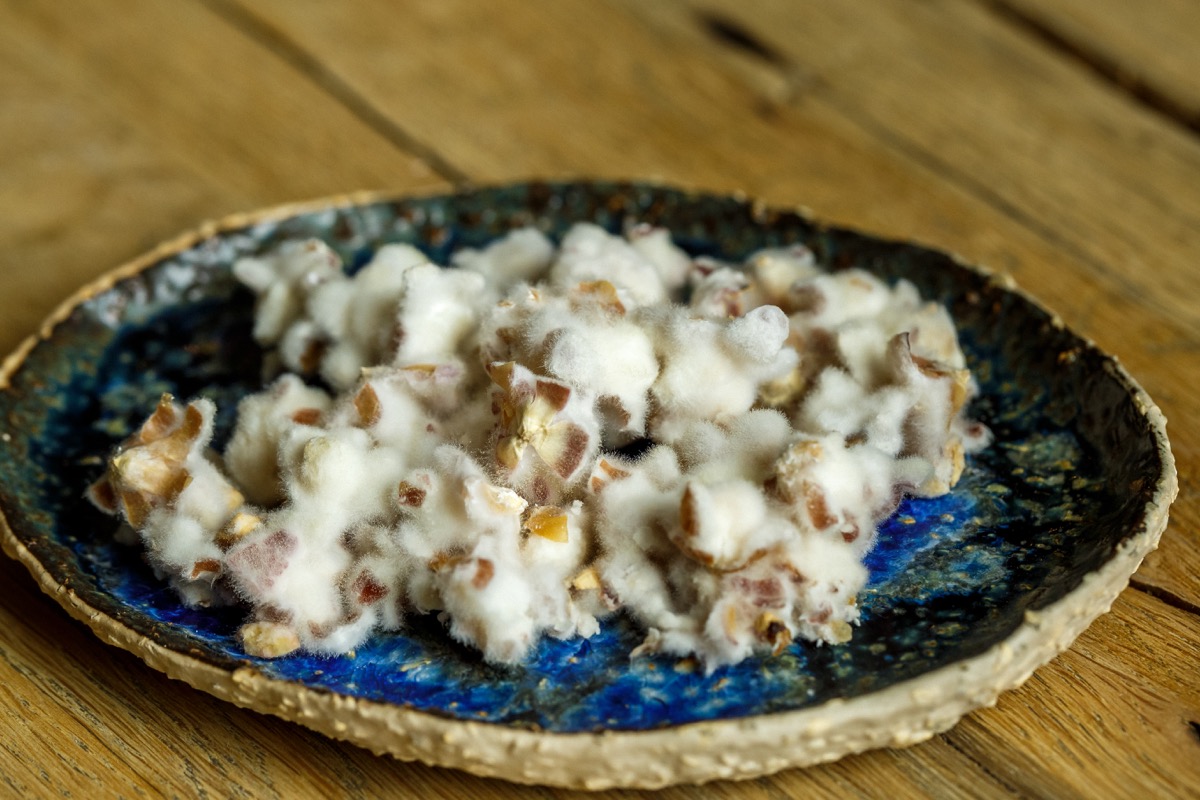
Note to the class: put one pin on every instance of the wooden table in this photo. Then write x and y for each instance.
(1056, 140)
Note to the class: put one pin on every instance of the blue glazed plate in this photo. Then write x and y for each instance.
(968, 593)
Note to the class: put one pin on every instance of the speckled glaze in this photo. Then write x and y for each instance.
(1046, 525)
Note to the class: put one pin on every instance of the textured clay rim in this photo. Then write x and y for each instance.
(900, 715)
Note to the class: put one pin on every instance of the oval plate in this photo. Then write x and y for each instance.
(969, 593)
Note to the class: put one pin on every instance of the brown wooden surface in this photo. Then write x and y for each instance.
(1147, 48)
(1056, 141)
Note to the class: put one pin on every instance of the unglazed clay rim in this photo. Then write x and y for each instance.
(899, 715)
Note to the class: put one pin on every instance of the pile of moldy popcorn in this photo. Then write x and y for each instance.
(538, 437)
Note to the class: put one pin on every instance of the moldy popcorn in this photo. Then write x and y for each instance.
(538, 437)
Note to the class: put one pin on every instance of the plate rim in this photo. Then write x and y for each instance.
(904, 713)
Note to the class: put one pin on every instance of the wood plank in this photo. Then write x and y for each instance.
(106, 156)
(1114, 716)
(93, 720)
(1177, 563)
(1158, 645)
(1149, 47)
(857, 125)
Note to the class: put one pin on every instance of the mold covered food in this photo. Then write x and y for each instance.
(538, 436)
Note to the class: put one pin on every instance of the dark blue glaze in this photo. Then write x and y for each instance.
(1064, 484)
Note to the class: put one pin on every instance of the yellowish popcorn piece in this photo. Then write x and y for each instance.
(149, 468)
(239, 525)
(782, 391)
(496, 499)
(841, 631)
(586, 580)
(268, 639)
(549, 522)
(599, 294)
(366, 403)
(421, 369)
(605, 473)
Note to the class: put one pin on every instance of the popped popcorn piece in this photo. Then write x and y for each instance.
(655, 245)
(725, 525)
(283, 281)
(488, 602)
(268, 639)
(724, 293)
(778, 271)
(356, 315)
(293, 565)
(837, 491)
(607, 357)
(520, 257)
(252, 455)
(545, 434)
(712, 370)
(590, 253)
(440, 308)
(164, 483)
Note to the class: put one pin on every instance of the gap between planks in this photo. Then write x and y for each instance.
(1164, 596)
(984, 768)
(276, 41)
(1141, 91)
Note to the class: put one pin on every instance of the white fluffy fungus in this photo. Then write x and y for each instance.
(473, 462)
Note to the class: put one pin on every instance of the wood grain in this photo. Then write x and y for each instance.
(1147, 48)
(125, 122)
(119, 131)
(1111, 717)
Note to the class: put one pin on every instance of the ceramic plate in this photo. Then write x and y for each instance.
(968, 593)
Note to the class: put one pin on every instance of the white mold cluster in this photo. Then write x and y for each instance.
(473, 456)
